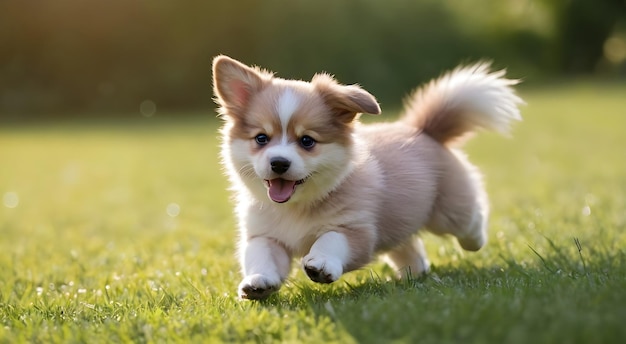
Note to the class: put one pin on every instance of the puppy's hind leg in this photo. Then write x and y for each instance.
(475, 237)
(461, 208)
(409, 259)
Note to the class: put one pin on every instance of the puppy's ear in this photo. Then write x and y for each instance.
(346, 101)
(234, 84)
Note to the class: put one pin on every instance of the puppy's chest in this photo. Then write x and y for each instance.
(297, 233)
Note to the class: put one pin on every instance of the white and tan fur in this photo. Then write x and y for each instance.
(311, 181)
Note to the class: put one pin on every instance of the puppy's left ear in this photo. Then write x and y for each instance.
(346, 101)
(234, 84)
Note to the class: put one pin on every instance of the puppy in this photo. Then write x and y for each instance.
(311, 181)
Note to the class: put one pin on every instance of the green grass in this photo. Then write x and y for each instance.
(124, 233)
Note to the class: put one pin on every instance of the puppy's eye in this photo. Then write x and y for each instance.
(262, 139)
(307, 142)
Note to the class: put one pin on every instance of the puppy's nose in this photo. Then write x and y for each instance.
(280, 165)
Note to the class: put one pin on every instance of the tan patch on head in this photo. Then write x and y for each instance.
(310, 115)
(317, 120)
(260, 118)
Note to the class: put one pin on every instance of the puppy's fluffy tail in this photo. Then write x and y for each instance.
(462, 101)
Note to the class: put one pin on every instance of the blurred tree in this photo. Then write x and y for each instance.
(581, 29)
(91, 58)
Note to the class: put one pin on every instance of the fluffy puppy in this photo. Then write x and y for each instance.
(311, 181)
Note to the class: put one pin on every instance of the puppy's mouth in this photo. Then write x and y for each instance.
(280, 190)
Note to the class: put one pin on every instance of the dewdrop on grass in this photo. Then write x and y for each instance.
(10, 200)
(172, 209)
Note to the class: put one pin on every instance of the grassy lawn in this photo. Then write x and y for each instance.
(115, 232)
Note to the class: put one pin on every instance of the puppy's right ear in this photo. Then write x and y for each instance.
(234, 84)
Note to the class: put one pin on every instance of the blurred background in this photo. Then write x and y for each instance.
(90, 58)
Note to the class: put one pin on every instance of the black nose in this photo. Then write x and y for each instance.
(280, 165)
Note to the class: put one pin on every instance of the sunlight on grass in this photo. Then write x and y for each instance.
(124, 232)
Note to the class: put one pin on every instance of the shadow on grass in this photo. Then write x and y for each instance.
(575, 289)
(509, 302)
(560, 264)
(370, 283)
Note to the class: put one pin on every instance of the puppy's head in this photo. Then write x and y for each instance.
(285, 139)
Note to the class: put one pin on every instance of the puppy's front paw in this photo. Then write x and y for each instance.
(257, 287)
(322, 269)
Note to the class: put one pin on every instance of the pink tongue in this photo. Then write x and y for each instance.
(280, 190)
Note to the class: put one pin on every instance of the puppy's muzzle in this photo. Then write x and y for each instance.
(280, 165)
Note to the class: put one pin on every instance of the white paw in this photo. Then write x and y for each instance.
(257, 286)
(322, 269)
